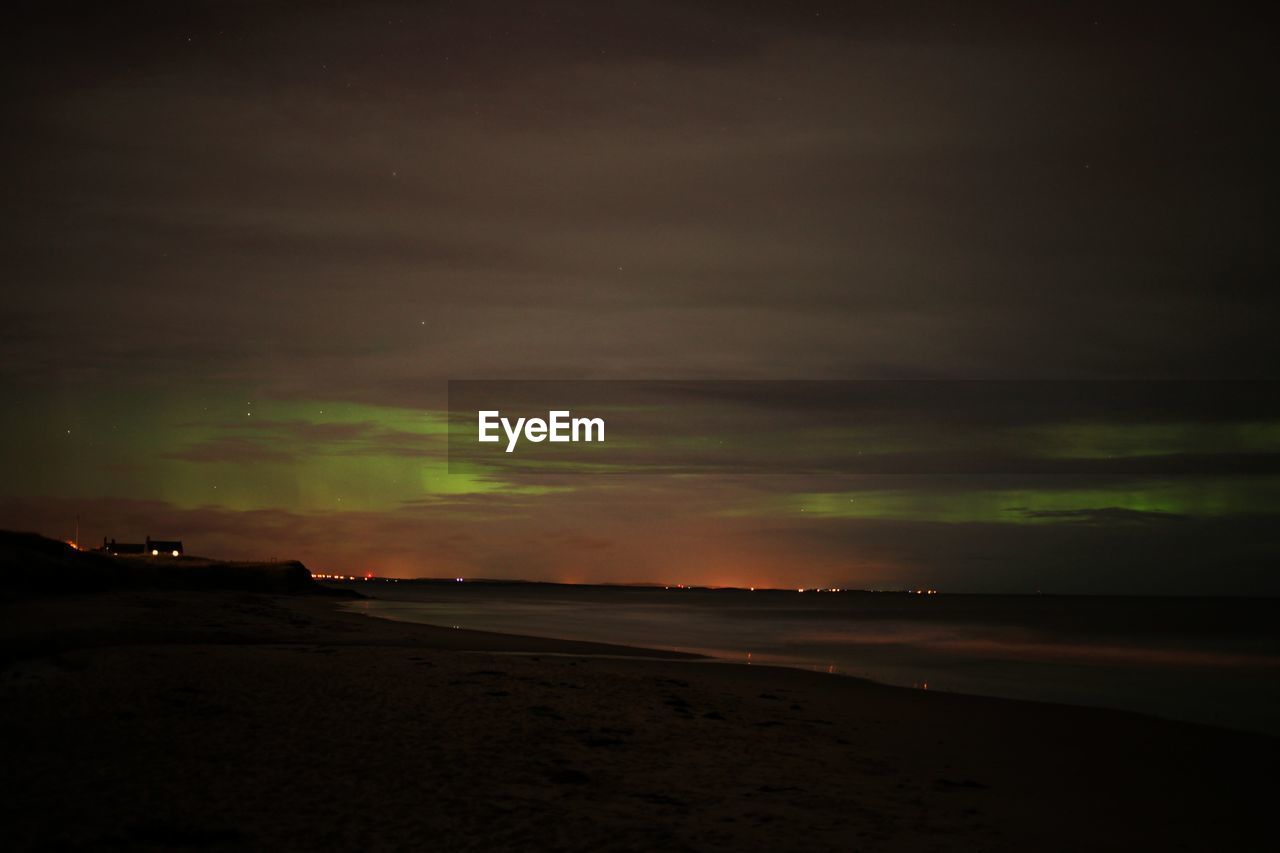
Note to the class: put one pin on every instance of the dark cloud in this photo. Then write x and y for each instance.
(359, 197)
(1103, 515)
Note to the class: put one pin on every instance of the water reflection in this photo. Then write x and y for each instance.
(1207, 660)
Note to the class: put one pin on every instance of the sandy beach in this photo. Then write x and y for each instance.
(222, 719)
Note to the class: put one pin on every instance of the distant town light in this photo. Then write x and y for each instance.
(175, 553)
(155, 553)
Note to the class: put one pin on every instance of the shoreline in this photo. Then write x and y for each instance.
(251, 720)
(1009, 678)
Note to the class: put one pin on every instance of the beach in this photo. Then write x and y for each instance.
(1210, 660)
(224, 719)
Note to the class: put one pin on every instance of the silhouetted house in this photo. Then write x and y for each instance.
(114, 547)
(152, 547)
(164, 547)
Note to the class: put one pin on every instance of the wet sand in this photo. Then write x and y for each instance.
(229, 720)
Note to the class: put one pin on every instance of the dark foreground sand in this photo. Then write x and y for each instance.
(228, 720)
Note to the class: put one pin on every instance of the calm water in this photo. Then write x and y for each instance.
(1208, 660)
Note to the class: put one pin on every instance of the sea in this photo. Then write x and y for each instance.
(1205, 660)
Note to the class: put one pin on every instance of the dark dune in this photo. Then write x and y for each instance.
(30, 563)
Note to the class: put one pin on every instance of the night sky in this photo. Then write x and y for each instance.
(247, 245)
